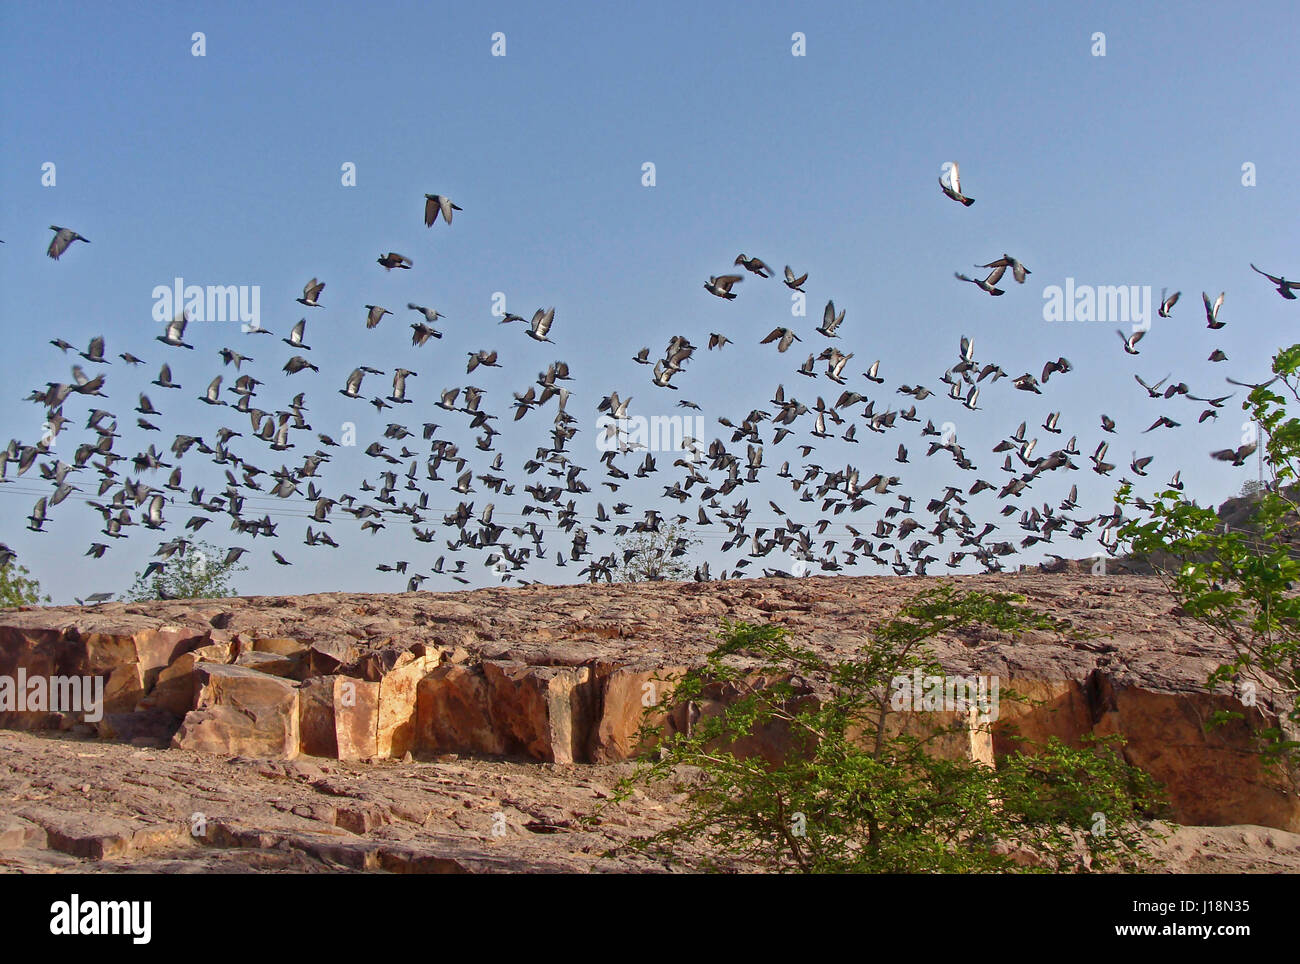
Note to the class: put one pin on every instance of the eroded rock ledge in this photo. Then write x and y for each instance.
(559, 674)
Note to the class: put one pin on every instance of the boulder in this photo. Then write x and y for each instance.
(129, 659)
(174, 689)
(273, 664)
(453, 714)
(630, 695)
(1211, 774)
(338, 717)
(240, 712)
(503, 707)
(395, 727)
(543, 712)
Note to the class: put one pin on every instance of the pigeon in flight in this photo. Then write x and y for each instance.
(393, 260)
(1153, 391)
(310, 292)
(63, 237)
(435, 204)
(399, 387)
(37, 518)
(95, 351)
(1130, 341)
(1212, 311)
(1236, 456)
(429, 314)
(421, 333)
(175, 334)
(754, 265)
(793, 283)
(1164, 421)
(213, 394)
(1167, 304)
(1018, 270)
(295, 336)
(1286, 289)
(1061, 365)
(228, 356)
(164, 379)
(543, 318)
(830, 320)
(953, 187)
(784, 338)
(297, 363)
(353, 389)
(986, 285)
(721, 285)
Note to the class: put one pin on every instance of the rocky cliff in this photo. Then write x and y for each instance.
(560, 675)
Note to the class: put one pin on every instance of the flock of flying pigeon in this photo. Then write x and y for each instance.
(151, 489)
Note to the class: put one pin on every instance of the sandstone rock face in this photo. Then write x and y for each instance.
(543, 712)
(339, 718)
(505, 707)
(1206, 774)
(563, 675)
(174, 689)
(128, 659)
(453, 712)
(395, 726)
(241, 712)
(1051, 708)
(629, 694)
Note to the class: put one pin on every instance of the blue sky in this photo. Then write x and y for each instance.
(225, 169)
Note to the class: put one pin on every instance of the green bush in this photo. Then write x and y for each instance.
(200, 572)
(851, 797)
(1238, 582)
(18, 588)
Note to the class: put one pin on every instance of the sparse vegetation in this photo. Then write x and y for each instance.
(18, 587)
(201, 572)
(1238, 582)
(661, 554)
(853, 794)
(1249, 488)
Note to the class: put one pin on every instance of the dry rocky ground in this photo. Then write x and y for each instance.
(471, 731)
(69, 804)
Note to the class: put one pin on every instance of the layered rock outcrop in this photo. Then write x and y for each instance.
(563, 675)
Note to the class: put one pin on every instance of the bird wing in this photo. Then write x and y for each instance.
(1276, 281)
(59, 243)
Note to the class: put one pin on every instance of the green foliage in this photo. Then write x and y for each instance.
(18, 588)
(200, 573)
(853, 794)
(661, 554)
(1239, 582)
